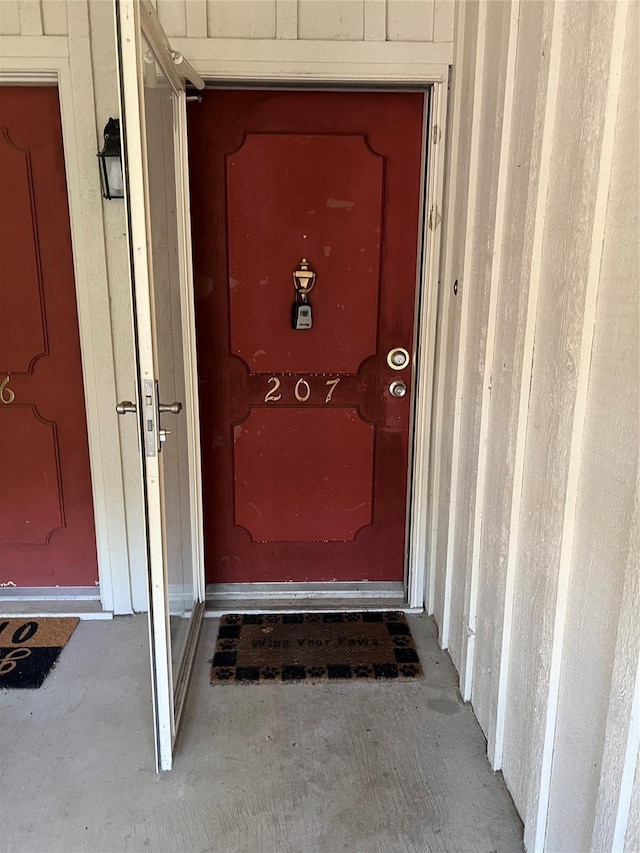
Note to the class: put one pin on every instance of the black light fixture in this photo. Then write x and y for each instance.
(111, 161)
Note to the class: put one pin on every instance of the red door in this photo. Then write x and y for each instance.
(304, 445)
(47, 535)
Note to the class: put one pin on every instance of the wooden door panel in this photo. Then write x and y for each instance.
(47, 535)
(329, 450)
(294, 196)
(23, 339)
(304, 449)
(30, 479)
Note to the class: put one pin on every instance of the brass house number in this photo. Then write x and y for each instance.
(302, 390)
(6, 394)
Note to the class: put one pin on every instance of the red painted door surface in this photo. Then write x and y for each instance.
(304, 448)
(47, 535)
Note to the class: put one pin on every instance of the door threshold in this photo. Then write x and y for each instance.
(26, 602)
(49, 593)
(39, 609)
(305, 598)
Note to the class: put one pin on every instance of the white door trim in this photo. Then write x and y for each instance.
(419, 544)
(321, 62)
(46, 60)
(216, 66)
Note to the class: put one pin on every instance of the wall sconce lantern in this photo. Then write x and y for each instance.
(111, 161)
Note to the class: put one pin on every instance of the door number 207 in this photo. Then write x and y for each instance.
(302, 390)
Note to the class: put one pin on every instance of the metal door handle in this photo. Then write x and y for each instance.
(126, 407)
(173, 408)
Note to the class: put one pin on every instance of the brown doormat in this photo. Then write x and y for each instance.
(314, 647)
(30, 647)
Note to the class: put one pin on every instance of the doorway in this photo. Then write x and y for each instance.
(306, 221)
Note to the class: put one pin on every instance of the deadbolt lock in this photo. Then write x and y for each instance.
(398, 358)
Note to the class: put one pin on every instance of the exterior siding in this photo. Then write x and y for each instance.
(538, 542)
(329, 20)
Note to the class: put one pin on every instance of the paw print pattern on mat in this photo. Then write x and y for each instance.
(316, 671)
(223, 673)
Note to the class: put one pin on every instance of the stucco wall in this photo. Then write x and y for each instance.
(535, 550)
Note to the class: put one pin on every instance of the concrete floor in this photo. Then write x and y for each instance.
(376, 768)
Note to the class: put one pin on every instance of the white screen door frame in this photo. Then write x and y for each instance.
(142, 44)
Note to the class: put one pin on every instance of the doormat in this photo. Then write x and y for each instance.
(30, 648)
(314, 647)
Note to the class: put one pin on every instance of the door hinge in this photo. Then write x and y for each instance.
(435, 135)
(434, 218)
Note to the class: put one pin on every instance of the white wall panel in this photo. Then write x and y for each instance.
(606, 484)
(327, 20)
(375, 20)
(632, 834)
(331, 20)
(54, 17)
(30, 17)
(195, 19)
(252, 19)
(526, 126)
(173, 16)
(580, 103)
(476, 293)
(9, 18)
(456, 567)
(443, 17)
(410, 20)
(554, 675)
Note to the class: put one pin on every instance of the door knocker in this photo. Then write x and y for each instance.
(304, 279)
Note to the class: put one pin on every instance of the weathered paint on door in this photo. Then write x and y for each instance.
(304, 448)
(47, 534)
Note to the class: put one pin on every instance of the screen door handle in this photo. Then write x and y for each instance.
(172, 408)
